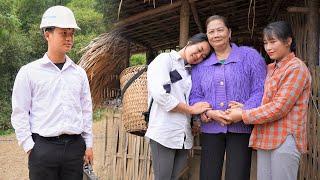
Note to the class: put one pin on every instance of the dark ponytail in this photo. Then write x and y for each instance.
(293, 46)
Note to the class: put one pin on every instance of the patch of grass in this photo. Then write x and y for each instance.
(99, 113)
(138, 59)
(6, 132)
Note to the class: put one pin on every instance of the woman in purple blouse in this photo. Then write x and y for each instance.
(231, 74)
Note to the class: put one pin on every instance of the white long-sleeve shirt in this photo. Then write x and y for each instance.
(170, 129)
(50, 102)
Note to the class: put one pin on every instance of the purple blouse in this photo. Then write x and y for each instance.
(240, 78)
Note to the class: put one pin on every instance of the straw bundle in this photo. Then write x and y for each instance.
(103, 60)
(135, 100)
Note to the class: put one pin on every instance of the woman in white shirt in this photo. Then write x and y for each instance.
(169, 85)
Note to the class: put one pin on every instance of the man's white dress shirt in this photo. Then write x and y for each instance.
(50, 102)
(170, 129)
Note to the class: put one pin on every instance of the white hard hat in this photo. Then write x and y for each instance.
(58, 16)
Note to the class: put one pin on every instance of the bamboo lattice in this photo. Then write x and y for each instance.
(310, 162)
(127, 156)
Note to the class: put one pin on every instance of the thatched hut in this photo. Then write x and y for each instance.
(153, 26)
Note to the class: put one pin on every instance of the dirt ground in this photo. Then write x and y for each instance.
(13, 160)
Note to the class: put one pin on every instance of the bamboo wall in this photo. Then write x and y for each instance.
(127, 157)
(310, 162)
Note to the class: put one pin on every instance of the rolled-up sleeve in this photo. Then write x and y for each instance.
(86, 105)
(21, 103)
(157, 77)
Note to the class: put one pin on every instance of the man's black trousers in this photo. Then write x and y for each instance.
(57, 158)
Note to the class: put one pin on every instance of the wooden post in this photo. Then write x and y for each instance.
(275, 8)
(313, 33)
(196, 16)
(151, 54)
(184, 23)
(128, 55)
(299, 9)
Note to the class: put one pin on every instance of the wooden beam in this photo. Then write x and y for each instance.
(165, 28)
(196, 16)
(156, 22)
(274, 10)
(184, 23)
(161, 45)
(150, 55)
(144, 26)
(313, 33)
(149, 13)
(128, 54)
(299, 10)
(136, 42)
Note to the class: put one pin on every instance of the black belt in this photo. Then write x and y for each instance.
(62, 137)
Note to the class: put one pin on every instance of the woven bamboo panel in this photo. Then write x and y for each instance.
(127, 156)
(299, 27)
(310, 162)
(135, 100)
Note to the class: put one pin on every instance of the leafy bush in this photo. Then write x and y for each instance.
(137, 59)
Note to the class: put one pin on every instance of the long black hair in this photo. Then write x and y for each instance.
(281, 30)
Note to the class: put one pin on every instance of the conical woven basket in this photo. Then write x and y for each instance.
(134, 101)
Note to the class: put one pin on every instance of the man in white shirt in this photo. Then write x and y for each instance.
(52, 107)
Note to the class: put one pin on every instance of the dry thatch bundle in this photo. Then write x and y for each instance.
(104, 58)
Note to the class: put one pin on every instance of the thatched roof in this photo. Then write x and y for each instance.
(154, 24)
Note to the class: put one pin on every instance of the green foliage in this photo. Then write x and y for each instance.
(137, 59)
(109, 9)
(88, 19)
(99, 113)
(6, 132)
(14, 47)
(91, 23)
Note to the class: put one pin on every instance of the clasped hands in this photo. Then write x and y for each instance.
(232, 115)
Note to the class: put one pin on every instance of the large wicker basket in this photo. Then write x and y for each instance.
(134, 101)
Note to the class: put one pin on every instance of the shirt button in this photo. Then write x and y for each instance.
(221, 83)
(221, 104)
